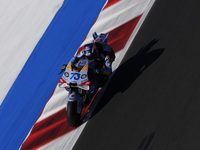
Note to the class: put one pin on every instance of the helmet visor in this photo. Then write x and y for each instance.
(87, 52)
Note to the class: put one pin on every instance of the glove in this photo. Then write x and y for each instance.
(63, 67)
(96, 71)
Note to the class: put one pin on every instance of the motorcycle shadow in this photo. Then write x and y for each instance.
(125, 75)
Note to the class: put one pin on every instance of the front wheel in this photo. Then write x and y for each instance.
(73, 118)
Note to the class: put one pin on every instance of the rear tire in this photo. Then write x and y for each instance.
(73, 118)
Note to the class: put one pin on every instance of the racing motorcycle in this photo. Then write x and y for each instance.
(75, 79)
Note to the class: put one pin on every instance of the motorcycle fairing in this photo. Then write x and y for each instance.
(76, 73)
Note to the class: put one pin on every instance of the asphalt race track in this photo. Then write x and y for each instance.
(152, 101)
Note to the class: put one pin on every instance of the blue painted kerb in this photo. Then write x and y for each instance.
(38, 78)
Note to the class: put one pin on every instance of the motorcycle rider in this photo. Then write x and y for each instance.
(100, 52)
(101, 57)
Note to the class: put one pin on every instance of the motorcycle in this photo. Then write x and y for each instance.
(75, 79)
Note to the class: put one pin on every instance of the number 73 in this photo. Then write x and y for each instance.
(76, 76)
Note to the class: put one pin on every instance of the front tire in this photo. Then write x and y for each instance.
(73, 118)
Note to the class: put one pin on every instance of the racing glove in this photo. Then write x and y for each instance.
(63, 67)
(96, 71)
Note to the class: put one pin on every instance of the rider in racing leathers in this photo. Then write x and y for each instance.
(100, 56)
(101, 53)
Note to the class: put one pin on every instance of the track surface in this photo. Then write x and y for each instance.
(153, 99)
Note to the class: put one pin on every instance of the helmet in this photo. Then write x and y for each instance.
(88, 50)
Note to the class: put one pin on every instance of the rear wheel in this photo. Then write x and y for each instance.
(73, 118)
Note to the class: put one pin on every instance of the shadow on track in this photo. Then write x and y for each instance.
(127, 73)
